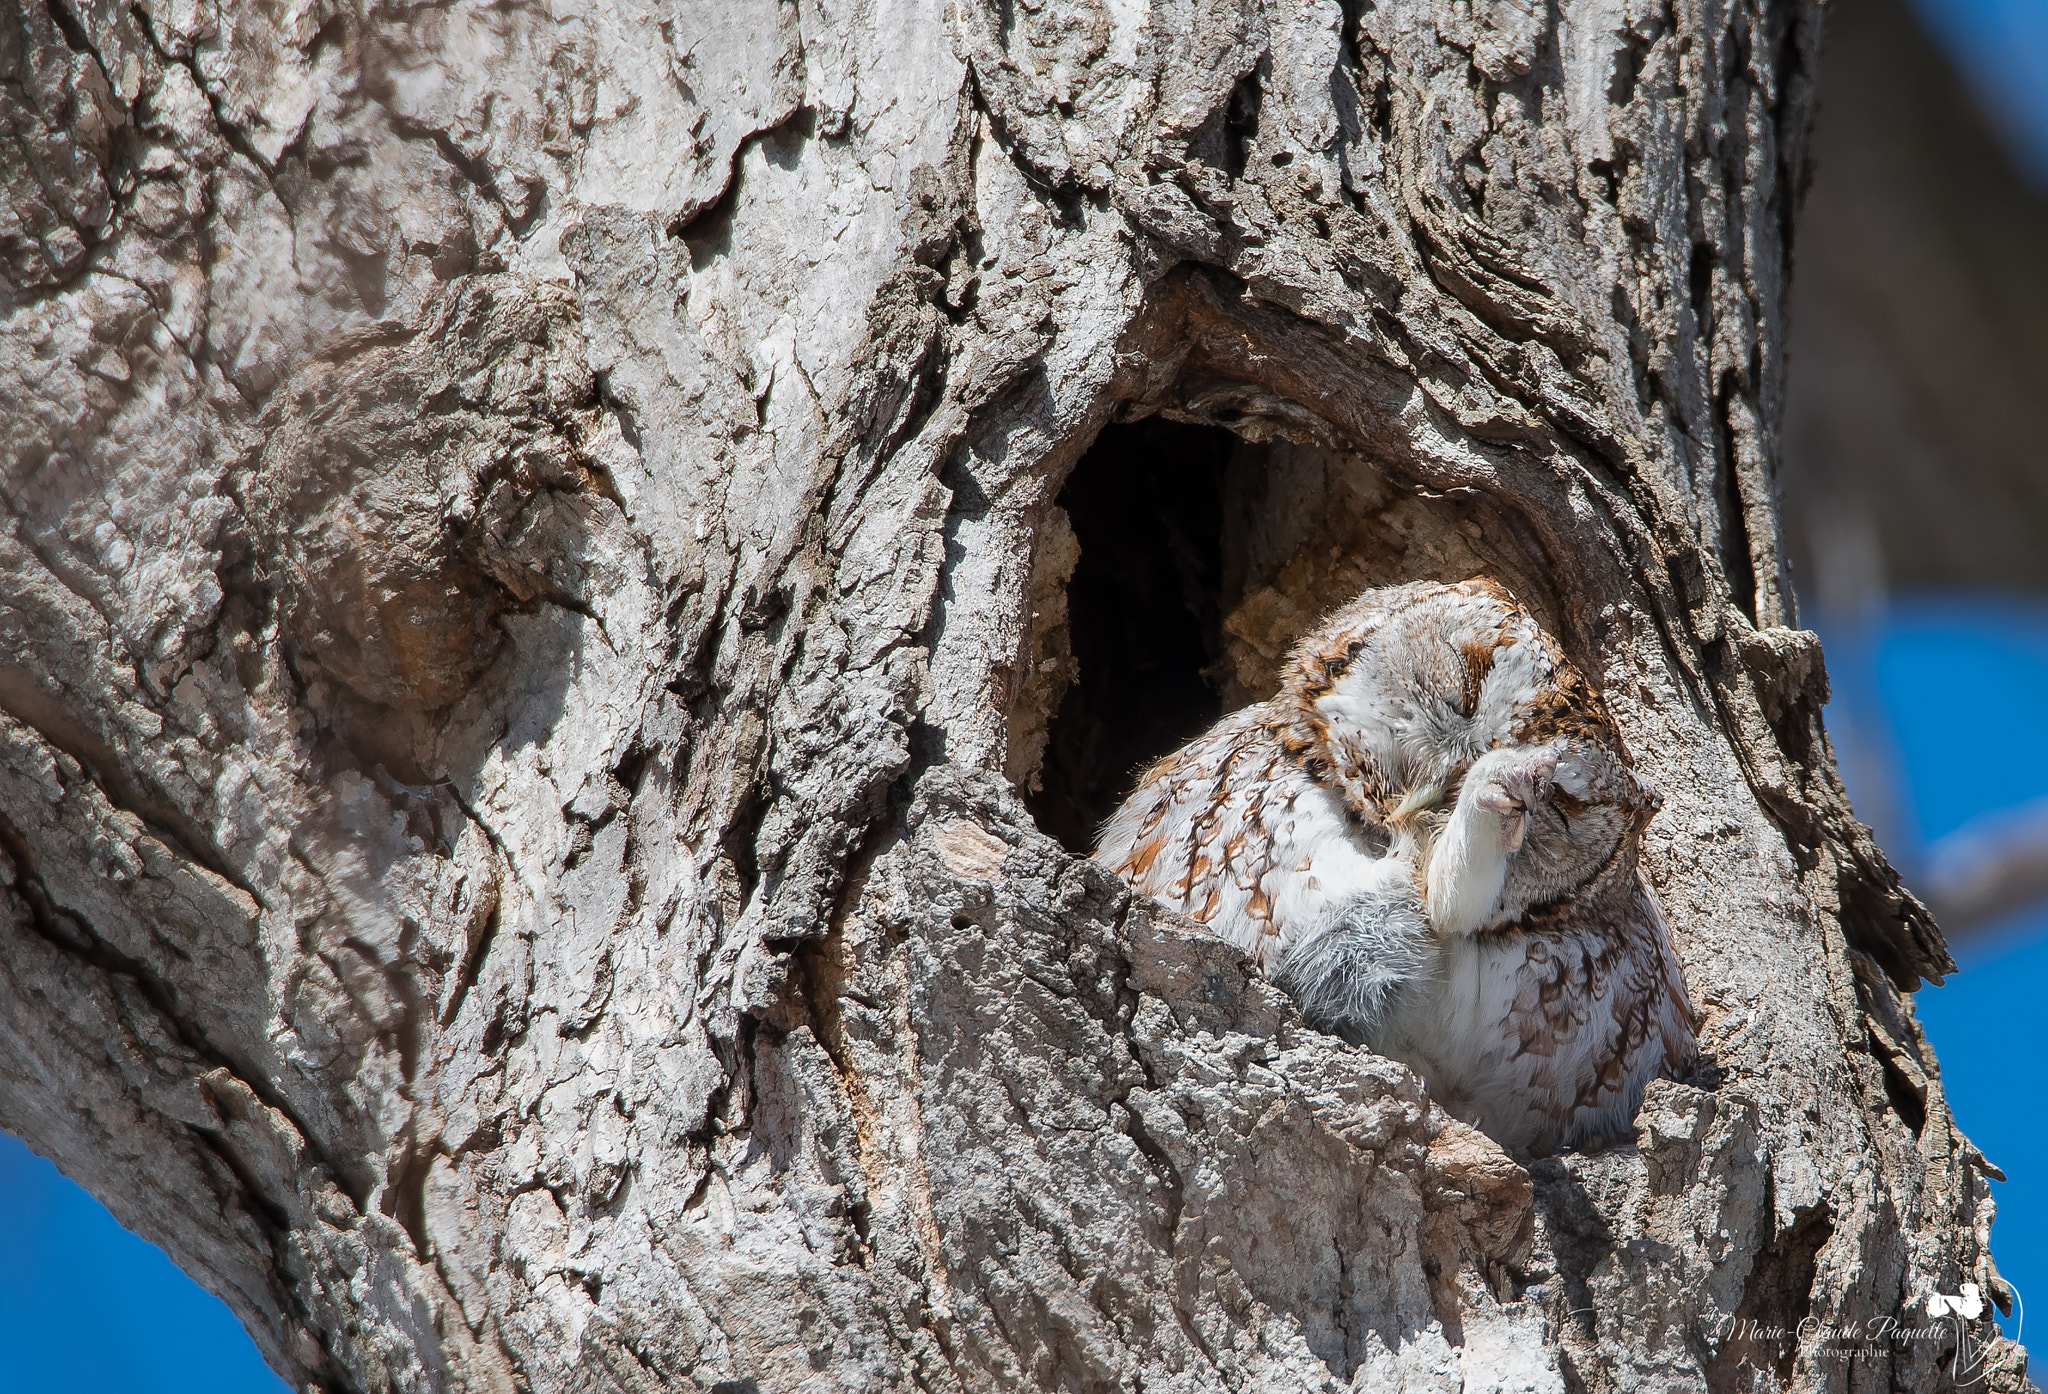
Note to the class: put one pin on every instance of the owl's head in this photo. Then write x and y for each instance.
(1395, 695)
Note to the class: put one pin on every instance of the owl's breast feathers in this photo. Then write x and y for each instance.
(1266, 828)
(1224, 831)
(1595, 1007)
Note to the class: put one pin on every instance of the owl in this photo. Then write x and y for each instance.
(1428, 837)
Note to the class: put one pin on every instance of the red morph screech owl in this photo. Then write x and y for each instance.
(1429, 838)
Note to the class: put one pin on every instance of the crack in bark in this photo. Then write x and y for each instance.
(471, 168)
(84, 944)
(719, 207)
(231, 134)
(102, 769)
(470, 967)
(273, 1221)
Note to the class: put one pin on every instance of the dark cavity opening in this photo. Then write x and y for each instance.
(1202, 559)
(1145, 615)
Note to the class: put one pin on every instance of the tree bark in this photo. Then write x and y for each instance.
(535, 579)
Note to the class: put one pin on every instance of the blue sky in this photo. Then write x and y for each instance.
(87, 1308)
(2001, 47)
(1960, 681)
(1992, 1037)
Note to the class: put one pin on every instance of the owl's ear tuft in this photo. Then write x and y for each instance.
(1647, 800)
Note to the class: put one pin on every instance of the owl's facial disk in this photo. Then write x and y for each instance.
(1588, 773)
(1526, 825)
(1517, 781)
(1595, 803)
(1468, 863)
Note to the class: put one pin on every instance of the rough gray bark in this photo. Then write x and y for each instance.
(531, 554)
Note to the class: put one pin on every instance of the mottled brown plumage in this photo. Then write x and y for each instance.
(1429, 837)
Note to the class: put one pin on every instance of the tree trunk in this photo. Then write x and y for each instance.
(546, 541)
